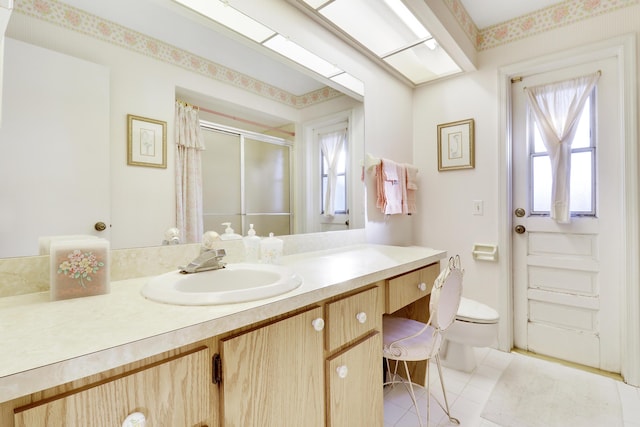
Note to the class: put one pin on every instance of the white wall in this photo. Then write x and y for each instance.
(445, 198)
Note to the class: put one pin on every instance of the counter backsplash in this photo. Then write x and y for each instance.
(25, 275)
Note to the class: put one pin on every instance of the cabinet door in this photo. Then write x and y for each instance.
(173, 393)
(273, 376)
(354, 378)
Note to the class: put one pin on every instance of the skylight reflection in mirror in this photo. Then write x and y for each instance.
(350, 82)
(302, 56)
(230, 18)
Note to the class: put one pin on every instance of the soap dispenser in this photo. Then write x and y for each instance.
(251, 245)
(229, 234)
(271, 249)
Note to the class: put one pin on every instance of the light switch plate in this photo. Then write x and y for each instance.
(478, 208)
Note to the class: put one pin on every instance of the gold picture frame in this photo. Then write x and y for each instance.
(456, 145)
(146, 142)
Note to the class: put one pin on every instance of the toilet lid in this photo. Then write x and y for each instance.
(476, 312)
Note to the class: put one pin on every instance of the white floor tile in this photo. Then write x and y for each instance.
(630, 399)
(469, 392)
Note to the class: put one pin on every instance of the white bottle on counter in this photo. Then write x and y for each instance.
(271, 249)
(251, 245)
(229, 234)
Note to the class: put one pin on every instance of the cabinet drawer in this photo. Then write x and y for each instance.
(403, 290)
(353, 317)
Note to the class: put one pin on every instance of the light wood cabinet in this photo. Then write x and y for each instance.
(274, 375)
(291, 372)
(173, 392)
(354, 380)
(354, 360)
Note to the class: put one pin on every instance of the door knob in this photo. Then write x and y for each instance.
(519, 212)
(520, 229)
(100, 226)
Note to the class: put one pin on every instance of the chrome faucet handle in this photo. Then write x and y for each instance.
(210, 259)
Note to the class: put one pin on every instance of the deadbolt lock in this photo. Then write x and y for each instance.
(520, 212)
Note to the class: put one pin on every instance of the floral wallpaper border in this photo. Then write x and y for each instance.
(77, 20)
(565, 13)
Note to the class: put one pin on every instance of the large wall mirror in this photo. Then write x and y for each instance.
(75, 71)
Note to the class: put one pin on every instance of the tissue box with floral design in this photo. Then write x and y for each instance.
(79, 268)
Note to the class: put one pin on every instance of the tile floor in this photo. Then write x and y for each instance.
(468, 394)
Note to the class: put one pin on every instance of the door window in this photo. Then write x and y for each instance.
(582, 181)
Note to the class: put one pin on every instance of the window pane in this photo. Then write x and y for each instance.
(538, 145)
(341, 165)
(582, 139)
(324, 192)
(341, 197)
(541, 183)
(581, 182)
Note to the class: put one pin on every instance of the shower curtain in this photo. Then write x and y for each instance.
(189, 144)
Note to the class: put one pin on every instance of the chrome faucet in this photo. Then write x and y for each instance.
(210, 259)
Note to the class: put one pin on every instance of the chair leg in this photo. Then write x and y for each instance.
(413, 396)
(444, 393)
(427, 383)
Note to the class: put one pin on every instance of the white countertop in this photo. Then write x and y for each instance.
(45, 343)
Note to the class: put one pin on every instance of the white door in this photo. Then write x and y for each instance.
(566, 277)
(54, 168)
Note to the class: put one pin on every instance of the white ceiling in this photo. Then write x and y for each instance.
(206, 39)
(485, 13)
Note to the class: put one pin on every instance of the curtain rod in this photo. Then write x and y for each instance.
(239, 119)
(518, 79)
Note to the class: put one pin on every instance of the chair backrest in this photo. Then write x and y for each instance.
(445, 295)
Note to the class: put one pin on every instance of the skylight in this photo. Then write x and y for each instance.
(389, 31)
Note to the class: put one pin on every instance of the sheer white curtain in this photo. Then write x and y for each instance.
(556, 108)
(189, 143)
(332, 145)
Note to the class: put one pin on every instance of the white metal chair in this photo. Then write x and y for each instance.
(410, 340)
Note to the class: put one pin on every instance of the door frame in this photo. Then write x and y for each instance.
(624, 50)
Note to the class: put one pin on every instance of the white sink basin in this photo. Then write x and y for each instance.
(239, 282)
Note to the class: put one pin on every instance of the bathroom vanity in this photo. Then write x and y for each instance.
(310, 357)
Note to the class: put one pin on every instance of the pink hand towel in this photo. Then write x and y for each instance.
(393, 186)
(411, 187)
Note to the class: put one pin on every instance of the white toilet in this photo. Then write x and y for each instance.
(476, 325)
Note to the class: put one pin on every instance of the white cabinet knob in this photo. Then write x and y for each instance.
(362, 317)
(422, 286)
(318, 324)
(136, 419)
(342, 371)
